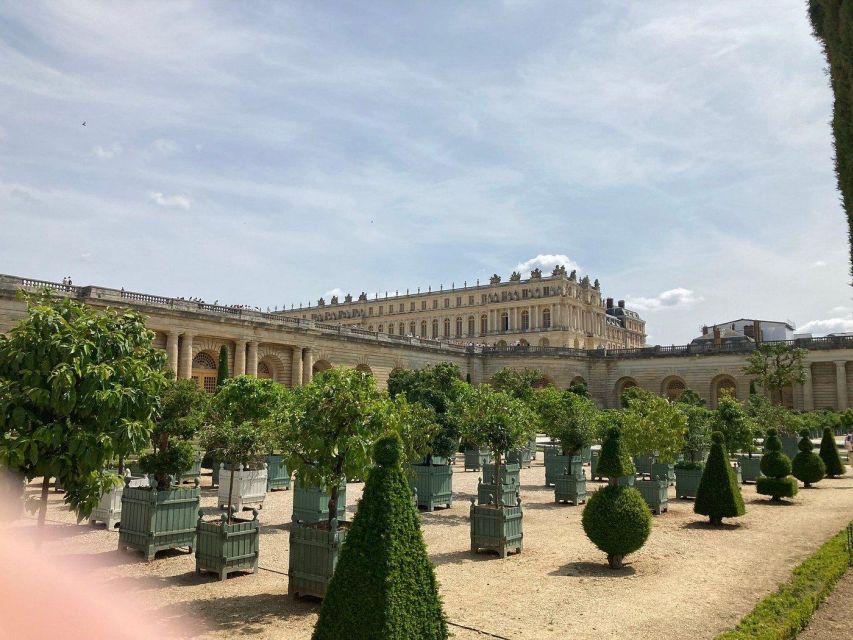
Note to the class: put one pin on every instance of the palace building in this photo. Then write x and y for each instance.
(545, 311)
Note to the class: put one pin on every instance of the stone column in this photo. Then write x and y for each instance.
(252, 360)
(185, 362)
(841, 384)
(307, 365)
(172, 350)
(808, 392)
(296, 368)
(239, 357)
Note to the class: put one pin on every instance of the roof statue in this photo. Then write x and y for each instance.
(495, 279)
(515, 277)
(536, 274)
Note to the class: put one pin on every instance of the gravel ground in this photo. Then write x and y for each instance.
(689, 581)
(834, 619)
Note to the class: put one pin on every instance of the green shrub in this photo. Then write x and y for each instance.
(782, 615)
(618, 521)
(776, 467)
(615, 461)
(384, 584)
(807, 466)
(719, 495)
(222, 372)
(689, 466)
(829, 455)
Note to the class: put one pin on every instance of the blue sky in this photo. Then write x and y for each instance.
(268, 153)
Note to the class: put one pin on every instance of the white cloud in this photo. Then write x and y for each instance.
(86, 257)
(546, 262)
(165, 146)
(333, 292)
(828, 325)
(841, 310)
(819, 263)
(670, 299)
(106, 153)
(182, 202)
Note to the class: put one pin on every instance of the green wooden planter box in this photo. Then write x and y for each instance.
(664, 470)
(789, 446)
(214, 473)
(586, 455)
(278, 475)
(487, 493)
(311, 504)
(531, 447)
(154, 520)
(738, 474)
(644, 464)
(194, 471)
(557, 465)
(510, 474)
(655, 493)
(571, 489)
(593, 464)
(494, 529)
(750, 468)
(476, 458)
(313, 556)
(522, 457)
(224, 548)
(433, 485)
(625, 481)
(687, 482)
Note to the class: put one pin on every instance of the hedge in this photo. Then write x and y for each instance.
(782, 615)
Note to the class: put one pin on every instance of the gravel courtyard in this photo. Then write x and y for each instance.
(689, 581)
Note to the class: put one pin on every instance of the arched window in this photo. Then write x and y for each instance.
(390, 328)
(423, 329)
(546, 318)
(370, 327)
(504, 321)
(264, 371)
(447, 327)
(674, 388)
(403, 328)
(471, 325)
(435, 329)
(204, 371)
(204, 361)
(381, 328)
(484, 324)
(525, 320)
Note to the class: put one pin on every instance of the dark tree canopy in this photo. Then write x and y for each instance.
(222, 372)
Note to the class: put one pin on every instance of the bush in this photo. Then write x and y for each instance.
(776, 467)
(615, 460)
(718, 495)
(829, 455)
(807, 466)
(384, 584)
(618, 521)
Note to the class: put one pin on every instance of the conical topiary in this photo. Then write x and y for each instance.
(222, 372)
(384, 584)
(615, 461)
(829, 455)
(616, 518)
(807, 466)
(718, 495)
(776, 467)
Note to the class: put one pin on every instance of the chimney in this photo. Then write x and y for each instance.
(756, 331)
(621, 304)
(609, 303)
(717, 339)
(704, 329)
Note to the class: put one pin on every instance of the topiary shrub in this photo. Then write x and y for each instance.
(776, 467)
(384, 584)
(829, 455)
(807, 466)
(616, 518)
(618, 521)
(718, 495)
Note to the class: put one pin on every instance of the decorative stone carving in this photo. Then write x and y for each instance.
(495, 279)
(321, 302)
(536, 274)
(596, 284)
(585, 281)
(573, 275)
(348, 297)
(362, 297)
(335, 298)
(515, 277)
(559, 270)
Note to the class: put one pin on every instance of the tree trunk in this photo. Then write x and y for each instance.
(615, 562)
(333, 505)
(45, 485)
(497, 480)
(230, 493)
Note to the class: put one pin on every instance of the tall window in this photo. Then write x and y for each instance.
(484, 324)
(390, 328)
(446, 303)
(423, 305)
(504, 321)
(264, 370)
(525, 320)
(471, 325)
(403, 328)
(546, 318)
(381, 328)
(435, 329)
(204, 372)
(423, 329)
(458, 327)
(446, 327)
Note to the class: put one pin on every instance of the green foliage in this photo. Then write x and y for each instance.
(518, 384)
(718, 495)
(776, 467)
(579, 389)
(732, 422)
(807, 466)
(652, 424)
(765, 415)
(384, 585)
(565, 416)
(416, 424)
(629, 394)
(782, 615)
(615, 461)
(435, 387)
(183, 409)
(617, 520)
(776, 488)
(248, 399)
(775, 366)
(697, 439)
(691, 398)
(604, 421)
(222, 373)
(829, 455)
(832, 22)
(336, 419)
(78, 391)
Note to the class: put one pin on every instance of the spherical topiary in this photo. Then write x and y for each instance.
(776, 467)
(807, 466)
(388, 450)
(718, 495)
(618, 521)
(829, 455)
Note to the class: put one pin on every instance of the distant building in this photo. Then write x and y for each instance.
(746, 330)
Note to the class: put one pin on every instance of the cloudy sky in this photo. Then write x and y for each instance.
(267, 153)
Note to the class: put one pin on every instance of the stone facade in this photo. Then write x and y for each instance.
(291, 350)
(557, 310)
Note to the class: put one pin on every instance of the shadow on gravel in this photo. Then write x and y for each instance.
(448, 520)
(465, 555)
(769, 503)
(594, 570)
(704, 524)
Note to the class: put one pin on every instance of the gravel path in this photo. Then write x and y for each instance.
(689, 581)
(834, 619)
